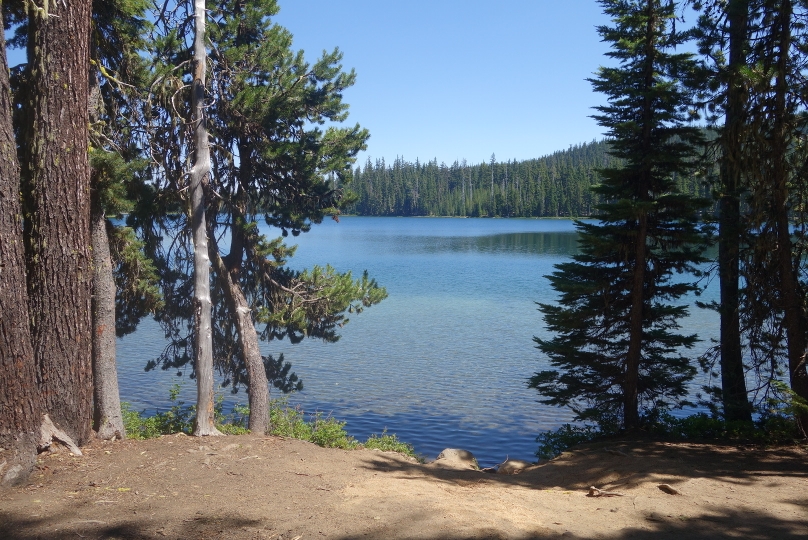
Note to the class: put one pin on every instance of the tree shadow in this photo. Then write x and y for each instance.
(627, 462)
(63, 527)
(703, 527)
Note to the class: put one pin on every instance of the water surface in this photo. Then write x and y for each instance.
(442, 362)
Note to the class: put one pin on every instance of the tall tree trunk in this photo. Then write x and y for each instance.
(733, 382)
(107, 418)
(631, 415)
(790, 291)
(57, 220)
(20, 412)
(203, 334)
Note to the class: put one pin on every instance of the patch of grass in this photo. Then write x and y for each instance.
(325, 431)
(553, 443)
(179, 418)
(768, 429)
(390, 443)
(285, 421)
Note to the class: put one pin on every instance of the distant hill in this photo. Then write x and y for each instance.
(551, 186)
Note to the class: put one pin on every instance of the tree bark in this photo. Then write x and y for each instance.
(57, 220)
(733, 382)
(791, 294)
(20, 411)
(248, 337)
(200, 171)
(107, 418)
(631, 415)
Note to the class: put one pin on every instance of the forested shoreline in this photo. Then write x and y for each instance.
(556, 185)
(201, 121)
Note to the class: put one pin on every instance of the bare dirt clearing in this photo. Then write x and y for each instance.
(251, 487)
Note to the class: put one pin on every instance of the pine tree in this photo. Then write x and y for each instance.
(774, 264)
(270, 165)
(615, 349)
(723, 32)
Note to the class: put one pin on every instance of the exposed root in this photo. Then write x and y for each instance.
(49, 433)
(595, 492)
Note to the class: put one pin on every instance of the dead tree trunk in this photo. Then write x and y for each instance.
(107, 418)
(200, 172)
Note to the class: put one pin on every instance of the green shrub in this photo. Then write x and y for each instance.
(285, 421)
(390, 443)
(179, 418)
(553, 443)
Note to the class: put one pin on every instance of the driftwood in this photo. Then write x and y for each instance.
(669, 489)
(49, 433)
(595, 492)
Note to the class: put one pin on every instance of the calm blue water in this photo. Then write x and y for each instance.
(442, 362)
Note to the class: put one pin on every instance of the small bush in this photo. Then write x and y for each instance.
(389, 443)
(179, 418)
(553, 443)
(285, 421)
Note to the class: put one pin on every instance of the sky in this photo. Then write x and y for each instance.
(461, 79)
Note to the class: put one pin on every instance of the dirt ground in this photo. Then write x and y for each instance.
(251, 487)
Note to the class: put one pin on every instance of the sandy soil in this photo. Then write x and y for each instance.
(251, 487)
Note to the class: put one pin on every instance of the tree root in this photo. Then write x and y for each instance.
(595, 492)
(49, 433)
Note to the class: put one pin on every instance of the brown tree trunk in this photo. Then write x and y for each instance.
(20, 412)
(631, 414)
(790, 291)
(248, 338)
(203, 340)
(57, 221)
(733, 383)
(107, 418)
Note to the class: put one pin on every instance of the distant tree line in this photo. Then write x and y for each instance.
(558, 185)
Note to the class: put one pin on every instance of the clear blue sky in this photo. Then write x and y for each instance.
(454, 79)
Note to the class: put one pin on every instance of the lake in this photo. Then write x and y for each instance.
(443, 361)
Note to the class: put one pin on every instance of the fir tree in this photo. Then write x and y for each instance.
(615, 349)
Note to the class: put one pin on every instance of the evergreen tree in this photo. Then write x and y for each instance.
(123, 279)
(271, 162)
(615, 348)
(723, 35)
(774, 264)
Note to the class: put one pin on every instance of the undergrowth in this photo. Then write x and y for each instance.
(285, 421)
(767, 429)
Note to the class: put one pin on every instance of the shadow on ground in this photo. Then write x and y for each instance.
(632, 461)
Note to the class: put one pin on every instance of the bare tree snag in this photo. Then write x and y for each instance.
(107, 417)
(200, 172)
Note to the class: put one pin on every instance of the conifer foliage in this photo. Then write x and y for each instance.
(615, 326)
